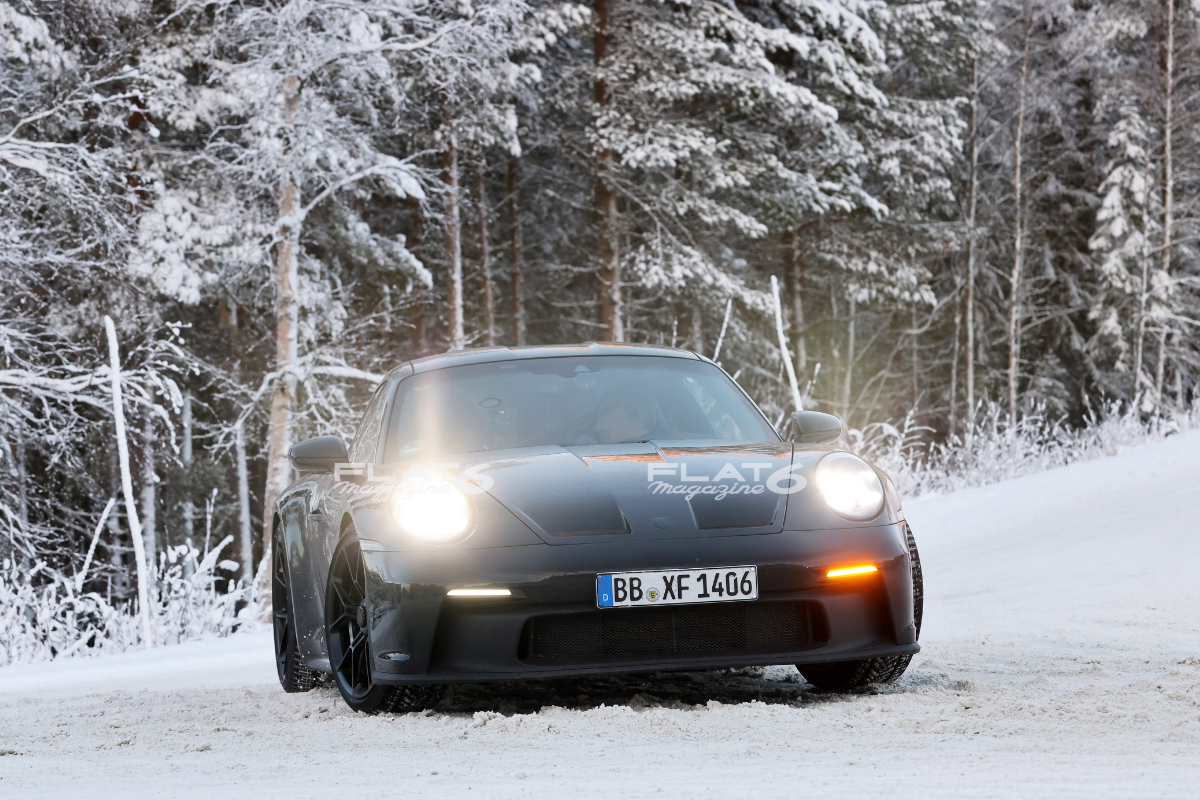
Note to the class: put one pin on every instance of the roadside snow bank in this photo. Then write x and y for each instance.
(998, 451)
(1112, 541)
(246, 658)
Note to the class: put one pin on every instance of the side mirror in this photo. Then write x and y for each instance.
(813, 427)
(318, 455)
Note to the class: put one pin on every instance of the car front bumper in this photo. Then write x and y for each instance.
(551, 627)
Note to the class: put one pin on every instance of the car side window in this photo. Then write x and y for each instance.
(367, 436)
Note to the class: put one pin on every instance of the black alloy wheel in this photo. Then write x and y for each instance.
(844, 676)
(294, 674)
(349, 644)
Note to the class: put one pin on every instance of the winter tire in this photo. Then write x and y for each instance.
(350, 647)
(844, 676)
(294, 674)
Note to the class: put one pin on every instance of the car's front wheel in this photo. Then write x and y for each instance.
(843, 676)
(349, 643)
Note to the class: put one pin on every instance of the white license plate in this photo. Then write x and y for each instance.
(666, 587)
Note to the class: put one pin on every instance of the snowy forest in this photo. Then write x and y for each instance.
(221, 222)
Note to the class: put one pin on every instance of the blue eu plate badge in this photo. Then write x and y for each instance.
(604, 591)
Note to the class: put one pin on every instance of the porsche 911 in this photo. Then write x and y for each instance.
(563, 511)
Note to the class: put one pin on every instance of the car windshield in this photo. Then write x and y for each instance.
(569, 402)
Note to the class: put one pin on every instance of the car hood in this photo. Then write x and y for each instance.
(646, 490)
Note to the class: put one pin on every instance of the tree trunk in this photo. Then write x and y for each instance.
(150, 498)
(916, 351)
(287, 322)
(116, 554)
(186, 456)
(514, 255)
(1139, 346)
(1168, 181)
(420, 330)
(849, 377)
(81, 576)
(797, 286)
(416, 239)
(612, 314)
(458, 339)
(695, 328)
(1014, 311)
(1159, 367)
(19, 473)
(971, 203)
(1178, 383)
(21, 476)
(954, 364)
(724, 325)
(485, 262)
(209, 502)
(836, 380)
(227, 314)
(243, 491)
(135, 527)
(797, 401)
(189, 507)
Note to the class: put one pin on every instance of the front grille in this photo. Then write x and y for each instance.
(727, 628)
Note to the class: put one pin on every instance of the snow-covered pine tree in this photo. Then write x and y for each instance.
(821, 156)
(465, 99)
(1144, 52)
(1039, 339)
(866, 263)
(548, 189)
(1174, 296)
(709, 120)
(1125, 223)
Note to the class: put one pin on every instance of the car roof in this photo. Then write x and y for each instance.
(485, 355)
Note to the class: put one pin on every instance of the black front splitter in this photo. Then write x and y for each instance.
(667, 665)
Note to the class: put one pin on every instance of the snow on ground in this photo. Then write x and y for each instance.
(1061, 659)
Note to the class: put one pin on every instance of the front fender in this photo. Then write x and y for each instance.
(308, 598)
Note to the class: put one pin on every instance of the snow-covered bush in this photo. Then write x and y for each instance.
(44, 615)
(998, 450)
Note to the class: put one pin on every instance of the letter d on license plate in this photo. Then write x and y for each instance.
(667, 587)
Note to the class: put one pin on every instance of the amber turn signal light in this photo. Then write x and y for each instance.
(843, 572)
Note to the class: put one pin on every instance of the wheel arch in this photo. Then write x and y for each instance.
(291, 525)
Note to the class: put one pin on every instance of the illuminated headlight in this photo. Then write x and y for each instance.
(849, 486)
(431, 509)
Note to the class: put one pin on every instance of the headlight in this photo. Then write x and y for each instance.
(849, 486)
(431, 509)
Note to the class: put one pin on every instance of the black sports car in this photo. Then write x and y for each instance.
(578, 510)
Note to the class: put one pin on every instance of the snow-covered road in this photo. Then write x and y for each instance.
(1061, 659)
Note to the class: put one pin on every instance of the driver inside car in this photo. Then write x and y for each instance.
(624, 417)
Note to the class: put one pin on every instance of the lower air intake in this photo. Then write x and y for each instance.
(702, 630)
